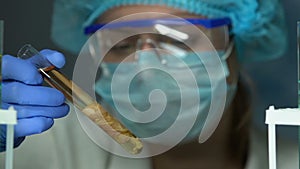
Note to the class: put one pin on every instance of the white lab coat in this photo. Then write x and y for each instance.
(66, 146)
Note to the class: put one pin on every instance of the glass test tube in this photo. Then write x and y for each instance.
(85, 103)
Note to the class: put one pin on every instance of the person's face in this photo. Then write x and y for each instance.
(132, 85)
(119, 12)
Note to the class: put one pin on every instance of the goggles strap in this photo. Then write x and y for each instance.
(228, 51)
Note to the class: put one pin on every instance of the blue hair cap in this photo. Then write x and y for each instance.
(258, 26)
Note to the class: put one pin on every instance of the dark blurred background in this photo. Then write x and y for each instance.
(29, 22)
(275, 82)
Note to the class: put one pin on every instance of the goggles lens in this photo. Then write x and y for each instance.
(118, 40)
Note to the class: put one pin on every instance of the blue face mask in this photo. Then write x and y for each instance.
(153, 99)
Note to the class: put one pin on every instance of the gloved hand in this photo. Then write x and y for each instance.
(37, 106)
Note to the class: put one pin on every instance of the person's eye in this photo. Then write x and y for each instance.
(122, 47)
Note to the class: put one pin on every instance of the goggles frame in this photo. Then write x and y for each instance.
(207, 23)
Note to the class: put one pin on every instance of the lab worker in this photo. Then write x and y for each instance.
(250, 30)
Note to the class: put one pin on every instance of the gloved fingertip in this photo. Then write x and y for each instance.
(47, 124)
(65, 110)
(54, 57)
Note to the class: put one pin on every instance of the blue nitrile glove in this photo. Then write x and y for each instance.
(36, 105)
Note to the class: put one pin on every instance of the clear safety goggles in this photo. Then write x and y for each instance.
(177, 36)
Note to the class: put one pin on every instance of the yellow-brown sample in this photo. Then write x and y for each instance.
(112, 127)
